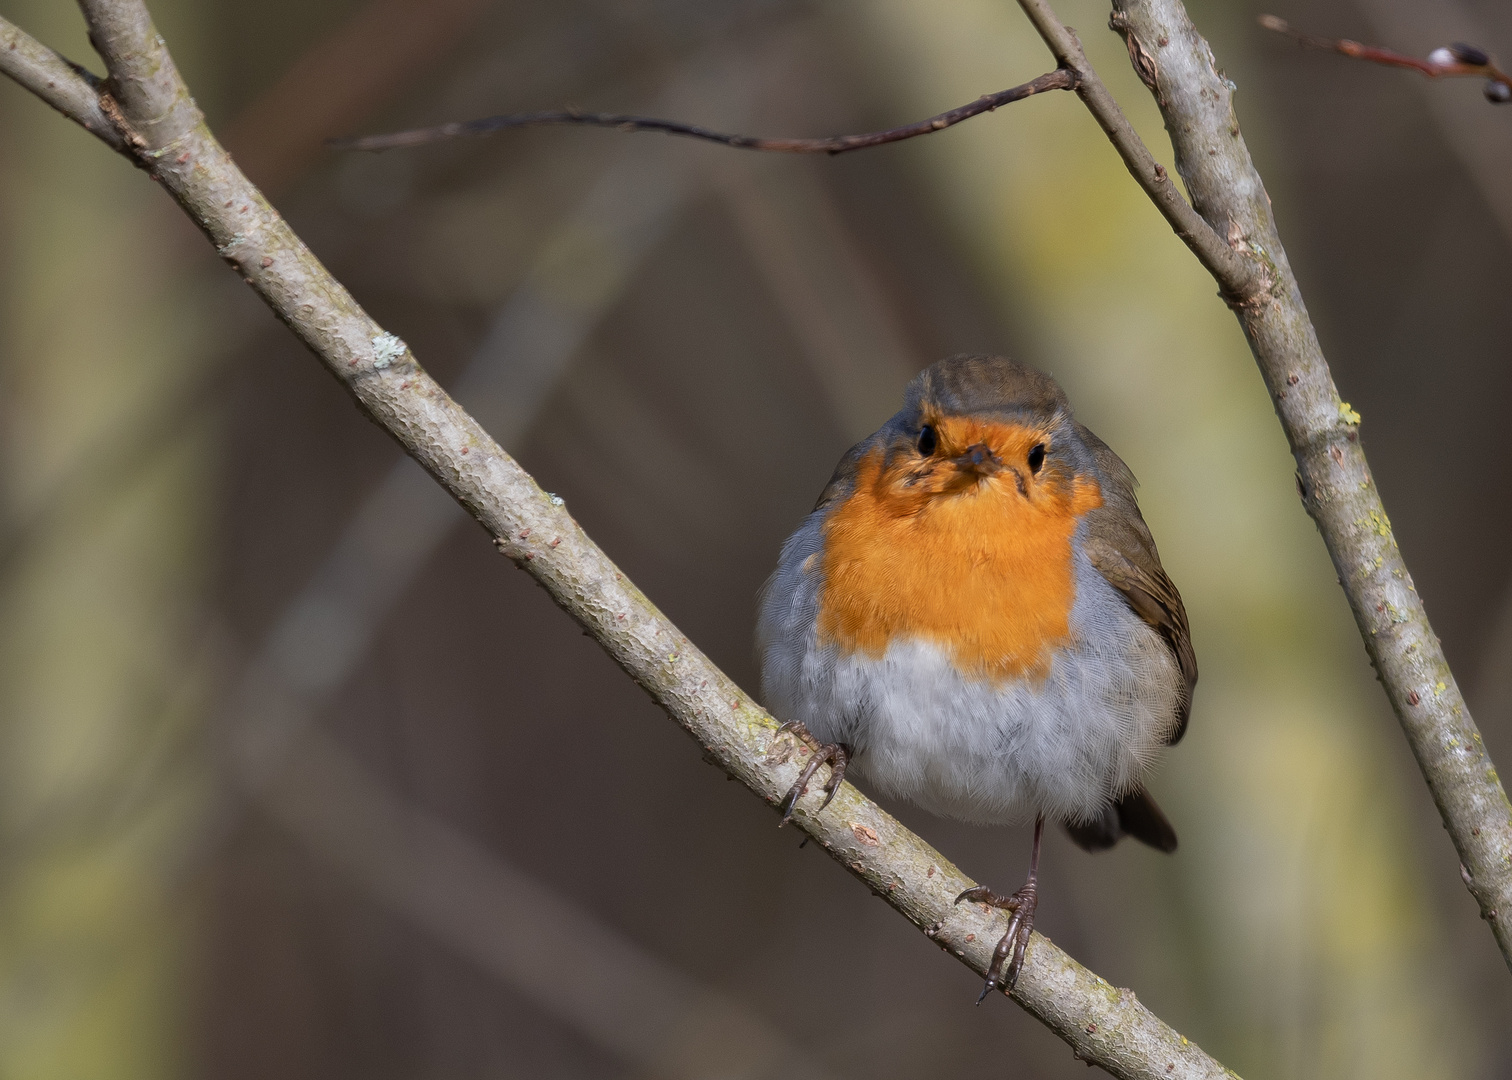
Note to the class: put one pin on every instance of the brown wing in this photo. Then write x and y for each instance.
(1121, 548)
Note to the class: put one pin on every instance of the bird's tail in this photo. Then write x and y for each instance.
(1133, 815)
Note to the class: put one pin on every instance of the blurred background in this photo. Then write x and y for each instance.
(298, 778)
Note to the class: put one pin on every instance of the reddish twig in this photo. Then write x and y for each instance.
(1451, 61)
(1059, 79)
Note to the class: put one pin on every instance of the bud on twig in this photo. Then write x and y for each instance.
(1459, 53)
(1448, 60)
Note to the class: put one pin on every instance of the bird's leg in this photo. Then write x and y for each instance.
(1022, 904)
(836, 754)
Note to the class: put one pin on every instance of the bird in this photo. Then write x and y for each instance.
(974, 618)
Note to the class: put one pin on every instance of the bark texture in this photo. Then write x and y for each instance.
(55, 81)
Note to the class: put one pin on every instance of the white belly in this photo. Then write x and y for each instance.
(968, 748)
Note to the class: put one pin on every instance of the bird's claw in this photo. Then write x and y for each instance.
(837, 755)
(1015, 941)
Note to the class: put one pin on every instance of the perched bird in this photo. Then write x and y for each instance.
(974, 618)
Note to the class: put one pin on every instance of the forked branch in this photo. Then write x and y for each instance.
(1336, 484)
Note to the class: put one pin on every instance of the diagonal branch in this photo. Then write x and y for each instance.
(1451, 61)
(61, 83)
(1335, 482)
(1103, 1024)
(1059, 79)
(1240, 280)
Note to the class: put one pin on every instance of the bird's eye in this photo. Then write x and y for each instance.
(1036, 457)
(927, 440)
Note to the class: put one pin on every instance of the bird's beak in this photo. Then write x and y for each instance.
(979, 461)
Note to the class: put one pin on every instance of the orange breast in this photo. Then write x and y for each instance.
(985, 573)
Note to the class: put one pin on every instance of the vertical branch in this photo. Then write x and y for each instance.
(1335, 482)
(144, 82)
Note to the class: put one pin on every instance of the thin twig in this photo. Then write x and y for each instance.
(403, 519)
(1333, 477)
(1451, 61)
(342, 80)
(1240, 280)
(1059, 79)
(1104, 1025)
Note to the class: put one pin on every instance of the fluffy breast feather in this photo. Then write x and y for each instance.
(922, 728)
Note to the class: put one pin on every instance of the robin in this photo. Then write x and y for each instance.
(974, 617)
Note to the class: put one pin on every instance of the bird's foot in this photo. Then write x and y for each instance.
(1015, 941)
(836, 755)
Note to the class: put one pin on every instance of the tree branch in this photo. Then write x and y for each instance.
(1059, 79)
(1241, 282)
(1448, 62)
(1333, 477)
(61, 83)
(1103, 1024)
